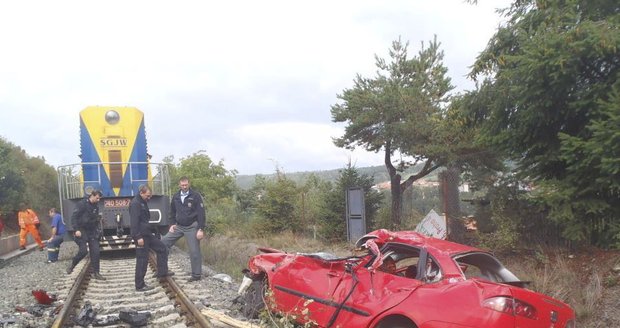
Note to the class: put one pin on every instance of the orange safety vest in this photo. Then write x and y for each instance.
(27, 217)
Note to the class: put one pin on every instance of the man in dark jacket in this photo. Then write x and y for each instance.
(84, 222)
(145, 239)
(187, 218)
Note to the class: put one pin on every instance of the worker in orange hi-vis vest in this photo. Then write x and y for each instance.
(28, 223)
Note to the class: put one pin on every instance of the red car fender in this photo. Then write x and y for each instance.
(264, 264)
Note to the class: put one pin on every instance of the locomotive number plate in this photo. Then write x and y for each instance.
(124, 202)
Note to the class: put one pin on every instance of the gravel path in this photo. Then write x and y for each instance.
(20, 275)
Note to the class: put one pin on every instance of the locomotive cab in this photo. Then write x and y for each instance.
(114, 161)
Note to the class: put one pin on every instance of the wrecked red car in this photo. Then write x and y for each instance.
(433, 284)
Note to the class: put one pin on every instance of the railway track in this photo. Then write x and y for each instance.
(167, 305)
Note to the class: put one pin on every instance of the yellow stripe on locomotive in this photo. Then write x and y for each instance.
(110, 138)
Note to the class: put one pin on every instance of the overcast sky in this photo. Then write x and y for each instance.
(249, 82)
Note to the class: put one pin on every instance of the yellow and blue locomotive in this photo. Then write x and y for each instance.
(114, 160)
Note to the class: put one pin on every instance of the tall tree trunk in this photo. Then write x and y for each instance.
(394, 187)
(397, 187)
(450, 180)
(397, 200)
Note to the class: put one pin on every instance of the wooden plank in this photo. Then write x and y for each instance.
(213, 314)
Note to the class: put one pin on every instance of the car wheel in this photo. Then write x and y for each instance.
(254, 299)
(396, 323)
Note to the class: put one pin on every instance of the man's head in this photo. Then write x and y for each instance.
(389, 265)
(184, 184)
(52, 211)
(95, 196)
(145, 192)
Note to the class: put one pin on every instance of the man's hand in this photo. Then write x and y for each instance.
(200, 234)
(141, 242)
(172, 228)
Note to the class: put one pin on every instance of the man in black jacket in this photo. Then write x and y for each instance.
(187, 218)
(84, 222)
(145, 239)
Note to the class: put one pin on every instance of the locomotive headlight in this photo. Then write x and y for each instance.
(112, 117)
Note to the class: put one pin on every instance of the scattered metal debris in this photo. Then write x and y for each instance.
(134, 318)
(86, 316)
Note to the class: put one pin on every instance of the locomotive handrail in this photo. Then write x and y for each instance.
(71, 177)
(73, 185)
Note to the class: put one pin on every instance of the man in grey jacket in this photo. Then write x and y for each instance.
(187, 218)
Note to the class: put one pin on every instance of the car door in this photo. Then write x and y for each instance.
(304, 286)
(363, 294)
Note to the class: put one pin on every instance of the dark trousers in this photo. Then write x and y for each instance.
(92, 239)
(142, 254)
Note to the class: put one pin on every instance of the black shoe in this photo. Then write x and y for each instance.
(41, 249)
(70, 269)
(168, 274)
(22, 248)
(98, 276)
(194, 278)
(144, 288)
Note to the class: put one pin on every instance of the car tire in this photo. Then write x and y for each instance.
(396, 324)
(254, 301)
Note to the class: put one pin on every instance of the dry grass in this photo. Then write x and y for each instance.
(230, 253)
(556, 277)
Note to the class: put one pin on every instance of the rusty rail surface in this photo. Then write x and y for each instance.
(192, 313)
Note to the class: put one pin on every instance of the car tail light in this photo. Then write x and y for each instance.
(510, 306)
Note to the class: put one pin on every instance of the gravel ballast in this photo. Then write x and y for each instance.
(20, 275)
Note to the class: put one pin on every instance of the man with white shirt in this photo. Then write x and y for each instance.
(187, 218)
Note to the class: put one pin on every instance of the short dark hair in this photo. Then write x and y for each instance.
(53, 209)
(184, 178)
(96, 193)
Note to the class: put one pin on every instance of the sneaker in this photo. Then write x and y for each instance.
(22, 248)
(42, 248)
(98, 276)
(194, 278)
(145, 288)
(168, 274)
(70, 269)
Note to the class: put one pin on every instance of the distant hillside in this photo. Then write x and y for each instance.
(379, 173)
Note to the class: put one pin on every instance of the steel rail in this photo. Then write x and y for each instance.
(63, 315)
(184, 301)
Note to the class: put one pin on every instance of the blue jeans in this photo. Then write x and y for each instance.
(53, 248)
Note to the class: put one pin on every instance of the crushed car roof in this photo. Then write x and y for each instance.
(449, 248)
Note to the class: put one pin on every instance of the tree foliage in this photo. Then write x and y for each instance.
(398, 111)
(333, 213)
(550, 102)
(211, 179)
(25, 179)
(12, 183)
(277, 205)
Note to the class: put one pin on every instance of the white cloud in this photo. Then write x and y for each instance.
(244, 80)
